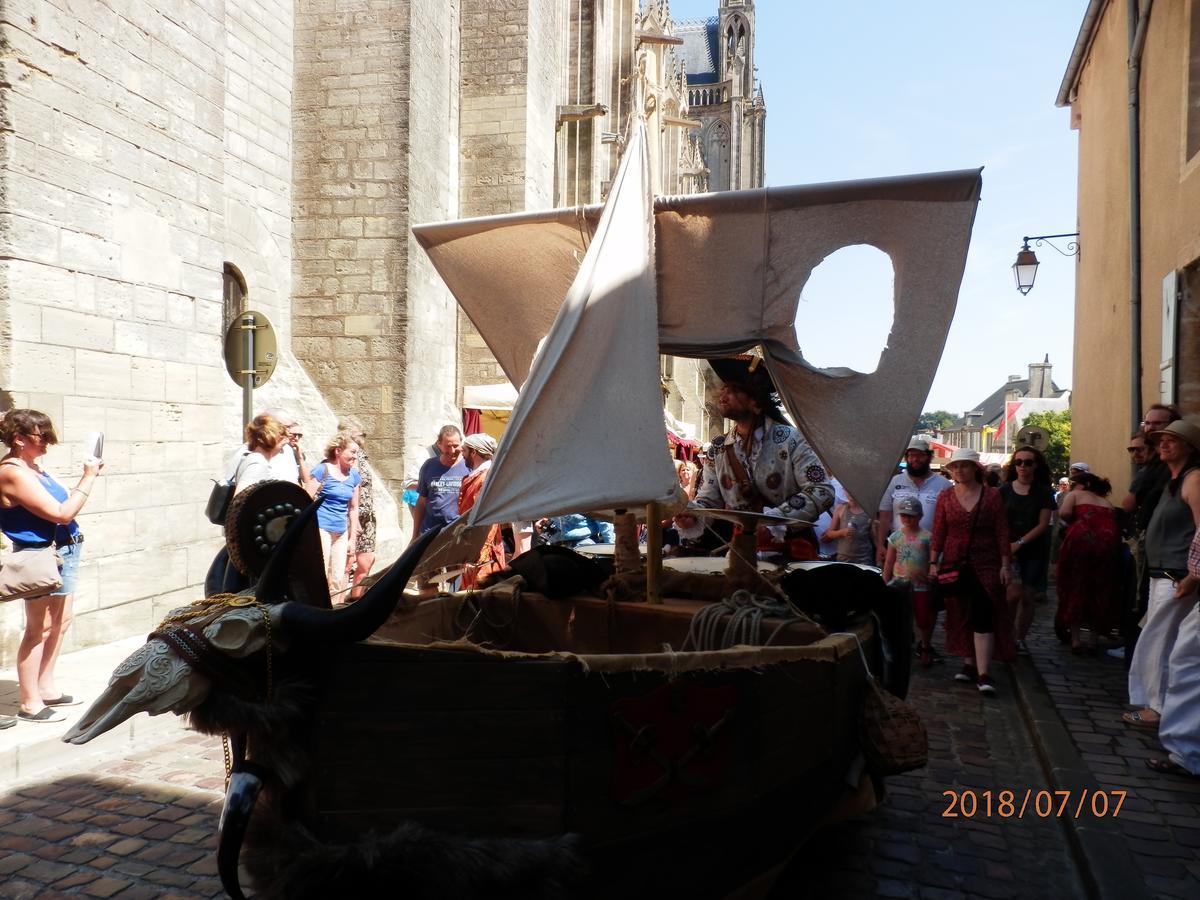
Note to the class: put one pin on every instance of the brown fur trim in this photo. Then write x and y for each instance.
(285, 861)
(275, 731)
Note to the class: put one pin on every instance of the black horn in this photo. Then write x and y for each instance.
(361, 619)
(240, 796)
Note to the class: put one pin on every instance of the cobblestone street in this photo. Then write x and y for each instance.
(1055, 713)
(912, 847)
(136, 827)
(141, 823)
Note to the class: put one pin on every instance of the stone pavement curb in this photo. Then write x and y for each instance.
(29, 749)
(1103, 859)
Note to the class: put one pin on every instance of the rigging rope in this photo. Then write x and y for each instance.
(745, 613)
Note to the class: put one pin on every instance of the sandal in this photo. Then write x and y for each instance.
(1166, 767)
(45, 714)
(63, 700)
(1137, 720)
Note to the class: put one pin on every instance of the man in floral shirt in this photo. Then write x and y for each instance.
(762, 464)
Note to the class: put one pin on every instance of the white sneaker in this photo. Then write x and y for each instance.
(1116, 652)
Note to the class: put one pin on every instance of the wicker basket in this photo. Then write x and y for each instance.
(891, 732)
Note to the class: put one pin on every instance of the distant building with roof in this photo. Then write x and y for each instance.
(992, 424)
(723, 96)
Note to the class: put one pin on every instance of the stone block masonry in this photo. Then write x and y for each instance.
(144, 145)
(514, 63)
(375, 131)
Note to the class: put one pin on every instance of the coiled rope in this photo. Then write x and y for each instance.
(742, 614)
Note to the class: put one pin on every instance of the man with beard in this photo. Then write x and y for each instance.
(915, 481)
(763, 464)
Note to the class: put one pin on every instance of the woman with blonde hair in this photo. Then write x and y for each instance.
(36, 511)
(336, 481)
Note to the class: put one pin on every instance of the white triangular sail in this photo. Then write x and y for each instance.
(586, 431)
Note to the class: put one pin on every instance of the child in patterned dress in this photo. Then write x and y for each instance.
(907, 565)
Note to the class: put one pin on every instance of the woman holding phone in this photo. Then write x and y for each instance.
(36, 511)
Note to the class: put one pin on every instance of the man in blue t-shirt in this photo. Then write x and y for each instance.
(438, 483)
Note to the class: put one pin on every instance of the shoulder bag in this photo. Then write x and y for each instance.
(221, 495)
(30, 573)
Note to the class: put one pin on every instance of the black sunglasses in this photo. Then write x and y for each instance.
(1024, 462)
(1135, 449)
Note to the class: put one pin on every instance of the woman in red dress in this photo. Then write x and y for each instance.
(970, 531)
(1089, 562)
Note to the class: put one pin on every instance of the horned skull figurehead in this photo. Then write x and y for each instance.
(218, 643)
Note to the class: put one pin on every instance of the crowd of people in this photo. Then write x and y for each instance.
(346, 517)
(979, 545)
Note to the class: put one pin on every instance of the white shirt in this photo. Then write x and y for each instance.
(284, 466)
(902, 486)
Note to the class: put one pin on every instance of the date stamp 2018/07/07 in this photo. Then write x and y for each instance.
(1006, 804)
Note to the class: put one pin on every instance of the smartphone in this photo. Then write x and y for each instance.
(93, 444)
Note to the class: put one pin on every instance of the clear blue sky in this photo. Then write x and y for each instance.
(859, 89)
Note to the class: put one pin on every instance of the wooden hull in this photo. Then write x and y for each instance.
(682, 773)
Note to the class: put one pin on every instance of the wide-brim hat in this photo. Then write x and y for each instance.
(750, 372)
(1188, 432)
(965, 454)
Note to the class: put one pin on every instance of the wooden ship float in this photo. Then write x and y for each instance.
(571, 731)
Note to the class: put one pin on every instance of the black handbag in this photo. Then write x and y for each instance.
(958, 579)
(221, 495)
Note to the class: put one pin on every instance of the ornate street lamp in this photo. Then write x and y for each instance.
(1026, 266)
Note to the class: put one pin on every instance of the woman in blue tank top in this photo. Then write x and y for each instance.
(35, 511)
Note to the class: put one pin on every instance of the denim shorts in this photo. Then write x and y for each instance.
(69, 554)
(1032, 573)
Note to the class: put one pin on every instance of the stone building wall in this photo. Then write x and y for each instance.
(371, 122)
(430, 313)
(547, 65)
(494, 80)
(117, 185)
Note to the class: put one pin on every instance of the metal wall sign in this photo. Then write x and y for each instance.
(251, 353)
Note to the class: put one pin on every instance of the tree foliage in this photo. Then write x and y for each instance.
(1058, 432)
(938, 420)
